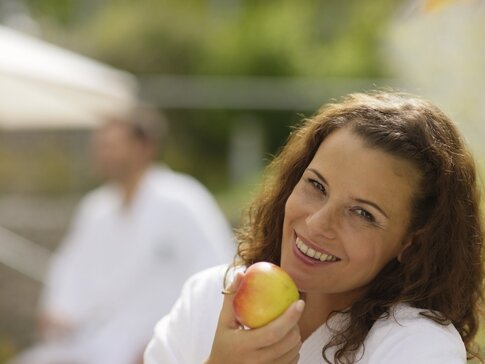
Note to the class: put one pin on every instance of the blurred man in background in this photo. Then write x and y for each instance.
(132, 244)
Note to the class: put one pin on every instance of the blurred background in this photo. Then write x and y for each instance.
(232, 77)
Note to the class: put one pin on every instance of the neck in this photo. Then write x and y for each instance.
(129, 185)
(315, 315)
(317, 311)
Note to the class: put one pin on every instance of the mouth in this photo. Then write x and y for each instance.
(315, 255)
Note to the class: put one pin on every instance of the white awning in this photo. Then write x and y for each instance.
(45, 86)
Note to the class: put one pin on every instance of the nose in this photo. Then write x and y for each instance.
(322, 222)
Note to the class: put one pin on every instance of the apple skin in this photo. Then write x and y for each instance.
(264, 293)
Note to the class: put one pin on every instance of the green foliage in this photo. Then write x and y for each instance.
(270, 38)
(143, 37)
(199, 145)
(61, 11)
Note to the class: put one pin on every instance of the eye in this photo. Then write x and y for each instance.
(317, 185)
(364, 214)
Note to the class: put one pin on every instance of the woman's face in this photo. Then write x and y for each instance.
(347, 217)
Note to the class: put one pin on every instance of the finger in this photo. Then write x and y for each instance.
(291, 342)
(226, 317)
(287, 348)
(279, 327)
(290, 357)
(234, 285)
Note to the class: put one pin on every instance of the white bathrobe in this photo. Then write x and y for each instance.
(185, 335)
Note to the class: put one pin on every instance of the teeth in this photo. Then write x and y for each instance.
(310, 252)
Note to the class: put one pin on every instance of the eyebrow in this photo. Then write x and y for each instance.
(376, 206)
(360, 200)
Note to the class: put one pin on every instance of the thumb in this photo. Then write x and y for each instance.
(226, 317)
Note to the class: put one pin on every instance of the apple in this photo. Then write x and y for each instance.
(264, 293)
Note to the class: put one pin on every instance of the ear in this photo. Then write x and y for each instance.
(407, 242)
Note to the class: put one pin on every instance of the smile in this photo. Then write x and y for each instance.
(312, 253)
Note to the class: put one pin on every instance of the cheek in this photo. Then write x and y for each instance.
(288, 217)
(300, 203)
(361, 252)
(370, 251)
(296, 211)
(291, 209)
(291, 218)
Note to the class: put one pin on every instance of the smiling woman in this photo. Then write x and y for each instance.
(352, 205)
(372, 207)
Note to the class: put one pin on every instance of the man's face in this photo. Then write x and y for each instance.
(116, 151)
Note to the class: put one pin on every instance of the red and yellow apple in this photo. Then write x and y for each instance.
(264, 293)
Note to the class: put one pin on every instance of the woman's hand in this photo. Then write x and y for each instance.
(278, 342)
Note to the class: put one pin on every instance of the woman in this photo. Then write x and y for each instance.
(372, 207)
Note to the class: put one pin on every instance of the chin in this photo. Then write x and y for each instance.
(293, 272)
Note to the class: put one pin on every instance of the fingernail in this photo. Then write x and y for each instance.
(300, 305)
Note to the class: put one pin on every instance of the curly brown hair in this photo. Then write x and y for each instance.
(442, 270)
